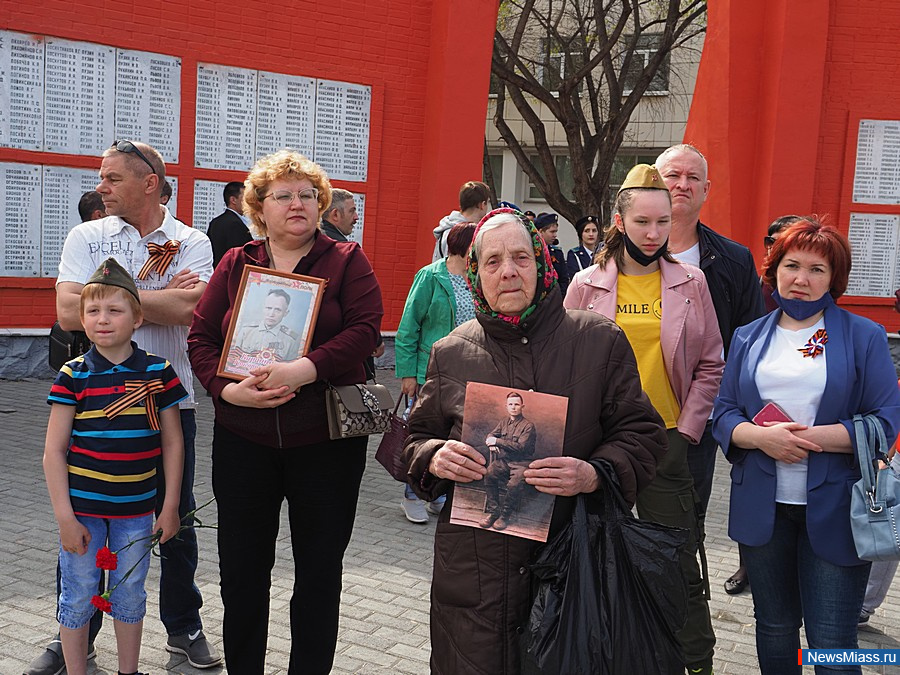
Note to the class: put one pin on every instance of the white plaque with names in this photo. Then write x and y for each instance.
(226, 117)
(357, 233)
(21, 91)
(285, 113)
(79, 97)
(173, 200)
(874, 245)
(208, 202)
(20, 245)
(342, 129)
(62, 189)
(877, 176)
(148, 100)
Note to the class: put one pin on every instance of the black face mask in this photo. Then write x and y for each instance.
(639, 256)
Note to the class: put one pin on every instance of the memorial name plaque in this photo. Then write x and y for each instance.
(357, 233)
(875, 245)
(285, 113)
(173, 200)
(20, 194)
(62, 188)
(877, 176)
(342, 129)
(21, 91)
(226, 117)
(208, 202)
(79, 97)
(148, 100)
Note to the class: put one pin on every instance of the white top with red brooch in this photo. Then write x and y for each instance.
(792, 377)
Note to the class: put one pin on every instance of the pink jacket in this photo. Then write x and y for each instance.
(691, 343)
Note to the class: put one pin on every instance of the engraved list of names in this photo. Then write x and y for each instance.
(285, 113)
(20, 193)
(79, 97)
(877, 176)
(21, 91)
(342, 129)
(226, 117)
(148, 93)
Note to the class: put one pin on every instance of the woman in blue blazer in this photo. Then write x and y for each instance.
(791, 480)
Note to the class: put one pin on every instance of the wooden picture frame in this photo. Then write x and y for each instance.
(273, 320)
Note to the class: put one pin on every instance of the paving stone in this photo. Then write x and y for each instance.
(385, 600)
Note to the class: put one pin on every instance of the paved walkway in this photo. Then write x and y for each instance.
(387, 569)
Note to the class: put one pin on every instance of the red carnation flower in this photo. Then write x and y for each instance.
(102, 603)
(106, 559)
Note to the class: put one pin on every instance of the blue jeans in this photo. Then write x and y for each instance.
(79, 574)
(179, 597)
(792, 586)
(409, 494)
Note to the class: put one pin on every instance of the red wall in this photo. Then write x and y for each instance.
(428, 64)
(781, 89)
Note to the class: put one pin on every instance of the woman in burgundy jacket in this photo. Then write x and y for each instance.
(271, 437)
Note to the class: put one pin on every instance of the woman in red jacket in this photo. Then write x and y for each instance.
(666, 311)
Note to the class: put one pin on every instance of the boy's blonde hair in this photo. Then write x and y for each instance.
(103, 291)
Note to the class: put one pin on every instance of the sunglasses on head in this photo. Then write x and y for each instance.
(768, 241)
(128, 146)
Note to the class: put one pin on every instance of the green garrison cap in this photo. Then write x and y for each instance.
(112, 273)
(643, 176)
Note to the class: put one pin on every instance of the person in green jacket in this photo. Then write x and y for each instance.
(438, 302)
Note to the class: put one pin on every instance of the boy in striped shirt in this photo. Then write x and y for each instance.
(114, 410)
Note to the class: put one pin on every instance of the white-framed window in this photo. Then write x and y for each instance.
(496, 162)
(563, 172)
(647, 46)
(625, 159)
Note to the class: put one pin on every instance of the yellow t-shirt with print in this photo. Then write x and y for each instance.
(639, 314)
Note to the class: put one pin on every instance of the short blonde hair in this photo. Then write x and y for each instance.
(285, 163)
(138, 166)
(102, 291)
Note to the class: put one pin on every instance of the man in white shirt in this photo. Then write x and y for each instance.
(171, 265)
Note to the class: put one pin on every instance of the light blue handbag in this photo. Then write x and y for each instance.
(875, 500)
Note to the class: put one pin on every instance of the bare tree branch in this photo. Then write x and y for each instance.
(575, 60)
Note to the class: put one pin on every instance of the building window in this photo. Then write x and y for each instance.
(551, 70)
(564, 175)
(496, 163)
(647, 46)
(623, 163)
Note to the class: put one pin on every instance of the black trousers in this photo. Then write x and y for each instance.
(321, 484)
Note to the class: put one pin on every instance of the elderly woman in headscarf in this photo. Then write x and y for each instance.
(481, 584)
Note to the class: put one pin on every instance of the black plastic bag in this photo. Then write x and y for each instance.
(565, 632)
(610, 596)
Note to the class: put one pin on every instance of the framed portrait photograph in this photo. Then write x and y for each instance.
(273, 320)
(511, 428)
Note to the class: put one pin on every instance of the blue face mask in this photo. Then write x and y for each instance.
(802, 309)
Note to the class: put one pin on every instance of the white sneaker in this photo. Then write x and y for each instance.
(435, 507)
(414, 510)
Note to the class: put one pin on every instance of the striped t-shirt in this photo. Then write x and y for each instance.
(112, 461)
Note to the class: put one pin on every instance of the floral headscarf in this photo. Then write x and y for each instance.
(546, 275)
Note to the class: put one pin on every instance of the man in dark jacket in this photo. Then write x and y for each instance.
(338, 222)
(229, 229)
(730, 275)
(339, 219)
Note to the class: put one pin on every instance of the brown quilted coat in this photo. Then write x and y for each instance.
(480, 593)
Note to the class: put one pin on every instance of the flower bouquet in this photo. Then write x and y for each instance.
(108, 560)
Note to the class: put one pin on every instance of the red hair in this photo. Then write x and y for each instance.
(809, 234)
